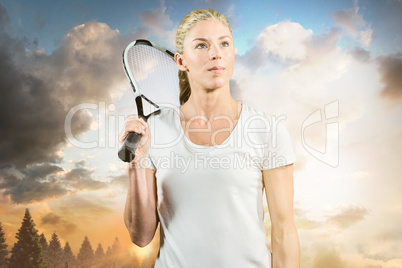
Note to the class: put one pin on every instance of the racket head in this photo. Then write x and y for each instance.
(153, 75)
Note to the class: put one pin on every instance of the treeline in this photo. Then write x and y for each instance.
(33, 251)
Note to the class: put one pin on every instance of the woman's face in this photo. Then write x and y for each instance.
(208, 55)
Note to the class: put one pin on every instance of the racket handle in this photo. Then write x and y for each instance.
(127, 150)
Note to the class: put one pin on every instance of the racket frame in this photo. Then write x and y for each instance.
(127, 151)
(134, 85)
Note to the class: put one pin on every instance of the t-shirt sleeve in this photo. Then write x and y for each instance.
(279, 149)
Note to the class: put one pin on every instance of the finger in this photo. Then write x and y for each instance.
(132, 116)
(133, 127)
(143, 123)
(137, 128)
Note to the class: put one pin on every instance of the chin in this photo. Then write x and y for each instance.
(218, 83)
(213, 87)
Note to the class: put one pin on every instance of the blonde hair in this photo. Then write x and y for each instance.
(186, 24)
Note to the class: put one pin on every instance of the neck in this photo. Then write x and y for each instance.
(210, 103)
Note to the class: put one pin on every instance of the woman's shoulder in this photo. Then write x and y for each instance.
(167, 114)
(165, 127)
(263, 122)
(252, 114)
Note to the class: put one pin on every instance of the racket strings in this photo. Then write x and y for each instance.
(155, 73)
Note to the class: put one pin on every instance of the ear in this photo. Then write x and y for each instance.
(180, 62)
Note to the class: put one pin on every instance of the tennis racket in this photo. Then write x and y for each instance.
(153, 76)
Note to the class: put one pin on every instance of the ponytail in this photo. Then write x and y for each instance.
(185, 90)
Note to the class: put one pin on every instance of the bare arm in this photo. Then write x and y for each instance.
(285, 242)
(140, 213)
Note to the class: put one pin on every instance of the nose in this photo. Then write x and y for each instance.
(215, 52)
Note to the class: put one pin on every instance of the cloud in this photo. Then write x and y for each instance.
(361, 54)
(230, 13)
(390, 69)
(303, 222)
(41, 171)
(83, 207)
(38, 90)
(80, 178)
(324, 61)
(39, 21)
(307, 224)
(384, 252)
(24, 191)
(328, 258)
(37, 183)
(235, 90)
(348, 216)
(365, 37)
(384, 246)
(87, 65)
(51, 219)
(58, 224)
(120, 180)
(390, 235)
(277, 48)
(30, 118)
(349, 19)
(156, 19)
(295, 51)
(4, 18)
(297, 85)
(286, 40)
(354, 24)
(219, 5)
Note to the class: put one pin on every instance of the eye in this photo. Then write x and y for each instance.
(201, 45)
(225, 44)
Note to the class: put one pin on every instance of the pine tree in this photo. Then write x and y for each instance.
(3, 249)
(116, 247)
(99, 253)
(108, 260)
(44, 245)
(27, 251)
(108, 252)
(43, 242)
(85, 256)
(116, 252)
(54, 252)
(68, 256)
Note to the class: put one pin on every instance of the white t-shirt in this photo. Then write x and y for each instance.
(210, 199)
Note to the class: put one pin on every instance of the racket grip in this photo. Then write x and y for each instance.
(127, 150)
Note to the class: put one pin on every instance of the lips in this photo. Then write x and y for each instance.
(216, 69)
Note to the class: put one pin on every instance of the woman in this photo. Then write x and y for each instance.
(221, 155)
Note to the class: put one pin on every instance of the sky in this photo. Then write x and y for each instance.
(331, 68)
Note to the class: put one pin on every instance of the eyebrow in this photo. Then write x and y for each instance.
(204, 39)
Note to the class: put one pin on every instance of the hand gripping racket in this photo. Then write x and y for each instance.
(153, 74)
